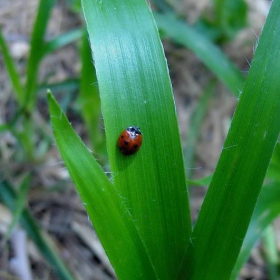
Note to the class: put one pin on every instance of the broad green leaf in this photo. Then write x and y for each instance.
(135, 89)
(209, 54)
(11, 68)
(229, 203)
(9, 197)
(106, 208)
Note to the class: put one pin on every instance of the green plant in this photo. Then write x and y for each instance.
(146, 201)
(141, 209)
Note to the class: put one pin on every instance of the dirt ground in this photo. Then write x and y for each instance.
(60, 213)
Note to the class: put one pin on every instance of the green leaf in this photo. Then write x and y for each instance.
(13, 74)
(9, 197)
(106, 208)
(226, 211)
(37, 45)
(209, 54)
(135, 89)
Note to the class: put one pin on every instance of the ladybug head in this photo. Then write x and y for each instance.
(134, 129)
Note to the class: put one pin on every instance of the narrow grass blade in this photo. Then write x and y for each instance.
(267, 209)
(209, 54)
(64, 86)
(163, 6)
(273, 173)
(62, 40)
(271, 252)
(201, 182)
(194, 128)
(9, 197)
(89, 97)
(226, 211)
(10, 125)
(135, 89)
(19, 206)
(231, 16)
(13, 74)
(37, 45)
(112, 220)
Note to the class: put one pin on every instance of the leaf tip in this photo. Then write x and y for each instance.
(49, 95)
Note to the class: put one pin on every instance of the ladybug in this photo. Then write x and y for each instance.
(130, 140)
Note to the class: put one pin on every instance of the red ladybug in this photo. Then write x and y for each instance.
(130, 140)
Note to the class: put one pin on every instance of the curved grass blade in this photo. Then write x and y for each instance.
(9, 197)
(135, 89)
(112, 220)
(226, 211)
(209, 54)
